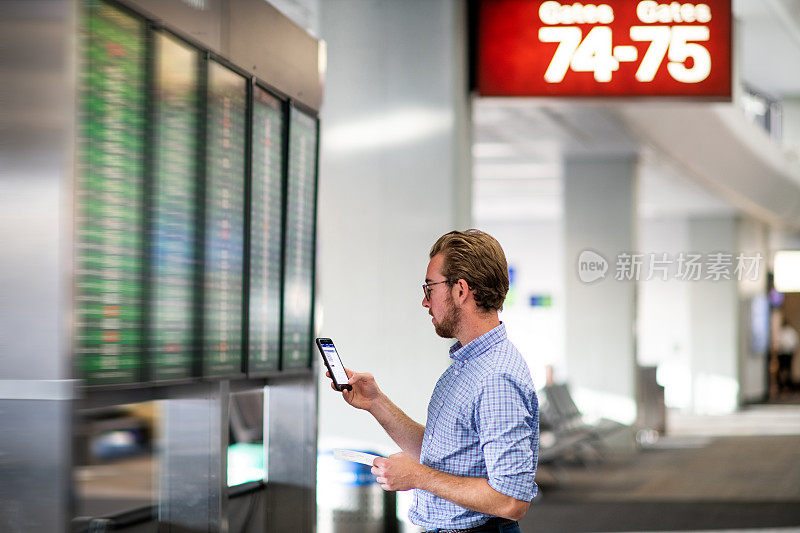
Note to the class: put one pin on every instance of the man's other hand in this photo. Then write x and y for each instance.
(397, 472)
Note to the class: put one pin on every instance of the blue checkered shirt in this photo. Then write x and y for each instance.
(483, 421)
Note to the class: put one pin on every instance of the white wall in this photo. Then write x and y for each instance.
(699, 333)
(782, 239)
(534, 250)
(714, 312)
(663, 325)
(392, 179)
(691, 329)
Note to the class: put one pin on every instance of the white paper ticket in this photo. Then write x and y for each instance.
(356, 457)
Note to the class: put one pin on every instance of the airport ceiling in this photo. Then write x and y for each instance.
(518, 144)
(517, 149)
(770, 50)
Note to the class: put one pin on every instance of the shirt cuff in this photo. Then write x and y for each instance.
(520, 486)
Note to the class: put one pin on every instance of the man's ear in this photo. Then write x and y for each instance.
(463, 290)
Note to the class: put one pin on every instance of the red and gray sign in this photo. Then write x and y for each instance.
(621, 48)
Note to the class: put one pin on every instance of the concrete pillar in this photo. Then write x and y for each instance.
(599, 215)
(194, 461)
(754, 315)
(714, 316)
(790, 124)
(394, 175)
(37, 144)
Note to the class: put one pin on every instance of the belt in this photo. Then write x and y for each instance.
(482, 528)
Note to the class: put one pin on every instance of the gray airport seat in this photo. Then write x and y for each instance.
(561, 417)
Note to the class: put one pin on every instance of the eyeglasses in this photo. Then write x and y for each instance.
(426, 288)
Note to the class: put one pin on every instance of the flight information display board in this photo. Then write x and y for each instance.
(300, 241)
(224, 222)
(109, 199)
(174, 189)
(265, 232)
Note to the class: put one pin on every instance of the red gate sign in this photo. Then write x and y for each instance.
(614, 48)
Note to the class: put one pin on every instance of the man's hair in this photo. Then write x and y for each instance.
(477, 258)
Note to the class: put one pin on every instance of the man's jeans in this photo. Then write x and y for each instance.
(508, 528)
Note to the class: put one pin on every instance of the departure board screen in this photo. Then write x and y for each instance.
(300, 241)
(174, 189)
(265, 232)
(224, 221)
(109, 198)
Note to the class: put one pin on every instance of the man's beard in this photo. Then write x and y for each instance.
(446, 327)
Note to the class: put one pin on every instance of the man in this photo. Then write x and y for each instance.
(473, 464)
(787, 345)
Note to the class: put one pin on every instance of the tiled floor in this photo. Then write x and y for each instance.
(782, 530)
(732, 473)
(781, 419)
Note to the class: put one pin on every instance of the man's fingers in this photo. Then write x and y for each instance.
(355, 378)
(381, 480)
(380, 462)
(352, 377)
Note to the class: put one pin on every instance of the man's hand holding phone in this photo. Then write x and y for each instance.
(361, 391)
(365, 393)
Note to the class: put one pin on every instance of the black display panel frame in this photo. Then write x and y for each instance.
(281, 105)
(235, 369)
(308, 361)
(198, 152)
(83, 190)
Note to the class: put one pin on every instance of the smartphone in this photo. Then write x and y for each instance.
(334, 364)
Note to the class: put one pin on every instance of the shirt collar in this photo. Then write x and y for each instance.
(479, 344)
